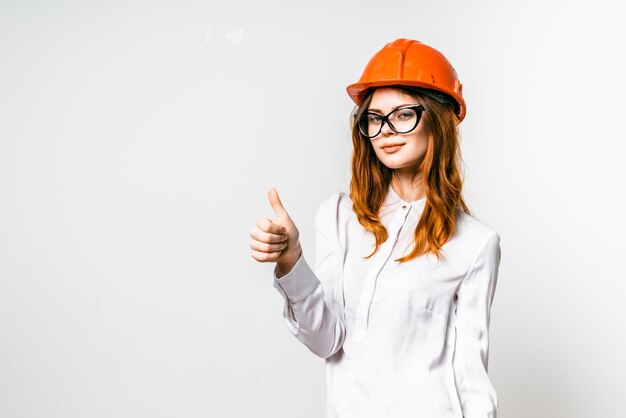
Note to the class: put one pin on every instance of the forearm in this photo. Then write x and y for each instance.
(312, 319)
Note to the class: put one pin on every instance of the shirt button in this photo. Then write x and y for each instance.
(403, 206)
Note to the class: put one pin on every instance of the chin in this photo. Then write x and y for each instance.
(393, 166)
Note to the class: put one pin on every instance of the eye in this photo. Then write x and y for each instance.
(407, 114)
(371, 118)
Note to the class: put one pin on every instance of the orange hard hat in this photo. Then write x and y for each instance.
(407, 62)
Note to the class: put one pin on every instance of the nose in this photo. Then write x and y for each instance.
(386, 129)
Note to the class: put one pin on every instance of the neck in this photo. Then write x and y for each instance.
(408, 188)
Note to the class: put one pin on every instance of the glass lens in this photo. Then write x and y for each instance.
(370, 124)
(403, 120)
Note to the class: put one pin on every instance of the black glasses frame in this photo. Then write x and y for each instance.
(419, 109)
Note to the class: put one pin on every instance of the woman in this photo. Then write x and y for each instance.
(399, 299)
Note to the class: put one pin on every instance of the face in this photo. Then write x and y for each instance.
(413, 145)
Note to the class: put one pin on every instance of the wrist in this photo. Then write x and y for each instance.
(284, 267)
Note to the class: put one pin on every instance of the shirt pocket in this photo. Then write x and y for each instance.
(428, 328)
(419, 308)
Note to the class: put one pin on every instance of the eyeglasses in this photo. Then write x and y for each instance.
(401, 120)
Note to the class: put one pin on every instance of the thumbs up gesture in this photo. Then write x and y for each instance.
(276, 240)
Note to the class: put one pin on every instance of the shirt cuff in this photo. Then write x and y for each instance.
(298, 283)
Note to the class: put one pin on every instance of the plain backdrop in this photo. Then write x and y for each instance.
(138, 142)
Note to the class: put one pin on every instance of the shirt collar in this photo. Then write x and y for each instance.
(393, 202)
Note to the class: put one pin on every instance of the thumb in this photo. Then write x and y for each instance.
(277, 205)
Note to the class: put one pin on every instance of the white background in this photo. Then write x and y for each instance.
(138, 141)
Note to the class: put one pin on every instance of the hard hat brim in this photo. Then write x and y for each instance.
(358, 91)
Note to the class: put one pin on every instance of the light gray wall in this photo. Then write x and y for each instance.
(138, 141)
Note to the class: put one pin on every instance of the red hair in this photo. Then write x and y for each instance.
(441, 176)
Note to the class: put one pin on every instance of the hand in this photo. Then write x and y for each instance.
(278, 240)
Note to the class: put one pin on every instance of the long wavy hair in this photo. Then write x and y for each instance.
(441, 171)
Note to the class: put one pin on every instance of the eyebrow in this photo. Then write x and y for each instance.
(397, 107)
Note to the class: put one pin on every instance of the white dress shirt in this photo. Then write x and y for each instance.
(400, 340)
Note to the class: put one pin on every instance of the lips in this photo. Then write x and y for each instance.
(391, 148)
